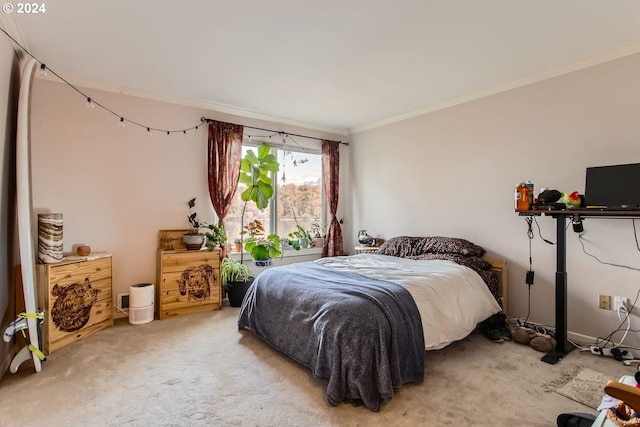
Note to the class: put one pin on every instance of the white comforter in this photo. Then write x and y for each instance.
(451, 298)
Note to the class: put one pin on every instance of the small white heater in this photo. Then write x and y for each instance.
(141, 303)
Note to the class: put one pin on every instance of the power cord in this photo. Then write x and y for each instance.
(581, 240)
(540, 233)
(606, 341)
(121, 310)
(530, 274)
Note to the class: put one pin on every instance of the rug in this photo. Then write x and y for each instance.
(582, 385)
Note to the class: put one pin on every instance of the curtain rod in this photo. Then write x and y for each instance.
(204, 119)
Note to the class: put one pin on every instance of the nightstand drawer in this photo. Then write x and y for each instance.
(187, 282)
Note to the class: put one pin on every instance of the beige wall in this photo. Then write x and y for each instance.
(116, 187)
(453, 173)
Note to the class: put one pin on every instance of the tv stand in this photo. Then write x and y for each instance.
(563, 346)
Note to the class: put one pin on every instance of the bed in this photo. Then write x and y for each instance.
(362, 323)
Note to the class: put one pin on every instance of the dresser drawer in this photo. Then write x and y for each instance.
(76, 298)
(178, 261)
(187, 282)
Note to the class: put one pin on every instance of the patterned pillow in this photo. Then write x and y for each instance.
(405, 246)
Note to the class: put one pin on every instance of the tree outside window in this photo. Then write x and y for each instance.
(298, 197)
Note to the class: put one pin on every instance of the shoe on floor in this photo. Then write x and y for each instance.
(493, 334)
(523, 335)
(544, 343)
(505, 332)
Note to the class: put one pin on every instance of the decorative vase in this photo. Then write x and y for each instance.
(50, 237)
(193, 241)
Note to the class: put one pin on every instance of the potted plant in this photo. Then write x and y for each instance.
(238, 244)
(216, 237)
(318, 230)
(236, 279)
(262, 249)
(193, 240)
(300, 237)
(255, 170)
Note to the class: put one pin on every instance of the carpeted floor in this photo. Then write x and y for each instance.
(200, 370)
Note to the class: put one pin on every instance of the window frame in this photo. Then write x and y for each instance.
(273, 201)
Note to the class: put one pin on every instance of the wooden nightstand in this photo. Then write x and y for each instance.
(366, 249)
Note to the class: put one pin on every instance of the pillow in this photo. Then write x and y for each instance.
(405, 246)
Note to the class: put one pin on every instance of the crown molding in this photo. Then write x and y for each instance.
(195, 103)
(625, 50)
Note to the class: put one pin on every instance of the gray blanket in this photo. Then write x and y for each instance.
(362, 336)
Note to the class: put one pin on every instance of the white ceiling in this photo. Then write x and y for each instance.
(340, 65)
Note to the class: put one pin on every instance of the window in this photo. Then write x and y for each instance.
(298, 197)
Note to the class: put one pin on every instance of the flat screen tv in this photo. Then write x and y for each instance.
(616, 186)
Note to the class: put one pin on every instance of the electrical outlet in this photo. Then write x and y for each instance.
(604, 302)
(122, 300)
(619, 302)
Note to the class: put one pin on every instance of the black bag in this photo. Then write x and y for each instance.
(575, 419)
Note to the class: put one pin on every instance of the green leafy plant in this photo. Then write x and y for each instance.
(318, 229)
(297, 235)
(255, 170)
(233, 271)
(261, 247)
(215, 237)
(254, 173)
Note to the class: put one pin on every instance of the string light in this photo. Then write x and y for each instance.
(90, 102)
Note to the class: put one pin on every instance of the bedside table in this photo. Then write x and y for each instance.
(366, 249)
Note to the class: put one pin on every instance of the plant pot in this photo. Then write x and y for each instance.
(263, 262)
(238, 247)
(318, 242)
(236, 291)
(303, 243)
(193, 241)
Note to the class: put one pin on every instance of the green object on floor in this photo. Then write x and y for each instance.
(496, 329)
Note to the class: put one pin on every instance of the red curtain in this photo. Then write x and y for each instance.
(331, 175)
(224, 157)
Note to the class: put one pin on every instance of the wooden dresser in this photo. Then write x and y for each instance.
(188, 281)
(76, 296)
